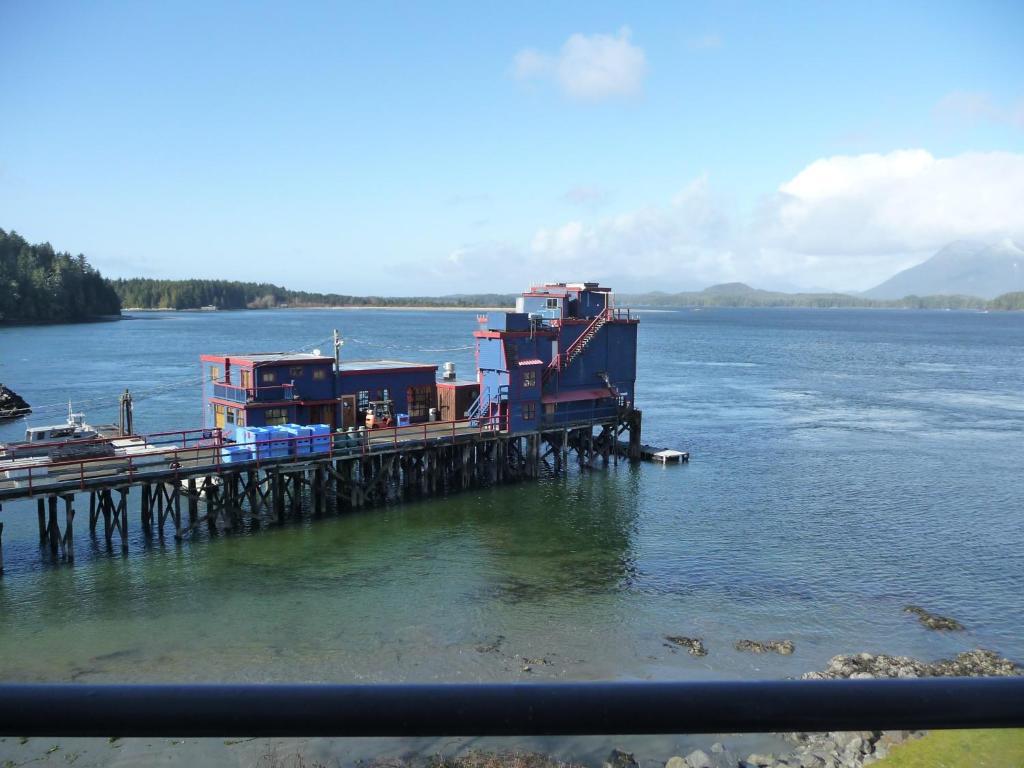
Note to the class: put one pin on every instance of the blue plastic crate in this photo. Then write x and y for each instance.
(321, 442)
(279, 444)
(301, 443)
(232, 454)
(257, 438)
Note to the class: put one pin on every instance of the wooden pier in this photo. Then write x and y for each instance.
(194, 488)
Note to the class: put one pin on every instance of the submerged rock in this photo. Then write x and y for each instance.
(694, 645)
(619, 759)
(933, 620)
(782, 647)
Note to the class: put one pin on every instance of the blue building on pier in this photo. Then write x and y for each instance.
(267, 389)
(565, 355)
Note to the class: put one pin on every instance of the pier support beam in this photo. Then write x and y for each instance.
(351, 480)
(68, 539)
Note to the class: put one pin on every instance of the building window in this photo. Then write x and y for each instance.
(319, 374)
(295, 371)
(363, 399)
(419, 401)
(275, 416)
(214, 373)
(552, 304)
(268, 377)
(530, 379)
(241, 419)
(230, 415)
(246, 378)
(387, 395)
(529, 411)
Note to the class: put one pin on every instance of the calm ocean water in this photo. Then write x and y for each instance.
(844, 464)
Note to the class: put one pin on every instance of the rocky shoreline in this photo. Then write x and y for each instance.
(852, 749)
(12, 405)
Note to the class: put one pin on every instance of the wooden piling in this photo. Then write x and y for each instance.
(41, 512)
(68, 539)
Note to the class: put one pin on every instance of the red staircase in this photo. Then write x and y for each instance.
(574, 350)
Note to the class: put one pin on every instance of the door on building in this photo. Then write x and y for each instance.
(322, 414)
(348, 411)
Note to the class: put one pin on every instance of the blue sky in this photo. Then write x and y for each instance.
(407, 148)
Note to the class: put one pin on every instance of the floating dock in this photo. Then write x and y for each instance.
(659, 455)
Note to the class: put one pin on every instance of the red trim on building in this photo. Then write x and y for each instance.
(245, 362)
(512, 334)
(268, 403)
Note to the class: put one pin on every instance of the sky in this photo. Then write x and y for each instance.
(425, 149)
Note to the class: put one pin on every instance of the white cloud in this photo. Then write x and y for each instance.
(906, 201)
(690, 239)
(588, 67)
(843, 223)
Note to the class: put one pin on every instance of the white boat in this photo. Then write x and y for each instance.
(72, 439)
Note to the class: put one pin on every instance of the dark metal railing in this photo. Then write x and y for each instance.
(510, 709)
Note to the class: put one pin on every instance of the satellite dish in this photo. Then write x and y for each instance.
(316, 352)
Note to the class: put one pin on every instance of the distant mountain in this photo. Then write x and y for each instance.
(731, 289)
(962, 267)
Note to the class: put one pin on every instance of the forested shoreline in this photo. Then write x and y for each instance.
(145, 293)
(41, 285)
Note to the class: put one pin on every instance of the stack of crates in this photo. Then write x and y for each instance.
(321, 437)
(232, 454)
(280, 443)
(256, 439)
(302, 445)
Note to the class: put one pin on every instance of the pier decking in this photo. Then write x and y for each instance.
(353, 472)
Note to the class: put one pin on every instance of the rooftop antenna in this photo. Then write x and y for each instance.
(338, 344)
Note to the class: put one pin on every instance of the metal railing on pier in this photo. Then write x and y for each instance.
(201, 451)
